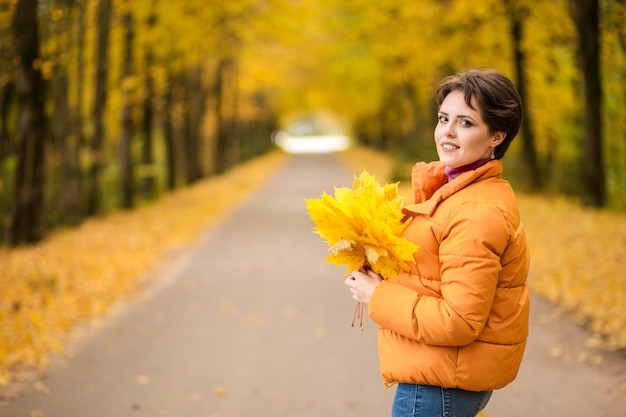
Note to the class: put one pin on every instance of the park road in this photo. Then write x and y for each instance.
(252, 322)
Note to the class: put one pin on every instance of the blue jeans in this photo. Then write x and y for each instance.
(426, 401)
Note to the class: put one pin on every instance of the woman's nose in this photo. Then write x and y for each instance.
(448, 130)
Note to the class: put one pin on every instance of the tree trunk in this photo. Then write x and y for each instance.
(100, 100)
(61, 138)
(27, 222)
(234, 126)
(585, 14)
(7, 95)
(191, 135)
(148, 181)
(220, 162)
(199, 104)
(127, 187)
(75, 176)
(168, 133)
(63, 197)
(529, 150)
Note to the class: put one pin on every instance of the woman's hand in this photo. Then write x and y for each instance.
(362, 284)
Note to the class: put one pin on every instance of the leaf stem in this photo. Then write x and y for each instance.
(356, 312)
(362, 315)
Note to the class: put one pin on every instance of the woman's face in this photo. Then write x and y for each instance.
(461, 135)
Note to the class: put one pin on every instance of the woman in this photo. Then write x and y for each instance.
(454, 328)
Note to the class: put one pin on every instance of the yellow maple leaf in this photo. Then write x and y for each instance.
(362, 225)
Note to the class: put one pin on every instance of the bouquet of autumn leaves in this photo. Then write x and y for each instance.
(363, 227)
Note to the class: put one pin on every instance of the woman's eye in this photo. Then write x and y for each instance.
(443, 119)
(466, 123)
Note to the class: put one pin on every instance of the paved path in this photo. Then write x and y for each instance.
(251, 322)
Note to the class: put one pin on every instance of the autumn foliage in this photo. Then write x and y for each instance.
(147, 95)
(362, 226)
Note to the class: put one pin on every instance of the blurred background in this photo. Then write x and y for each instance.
(127, 126)
(107, 104)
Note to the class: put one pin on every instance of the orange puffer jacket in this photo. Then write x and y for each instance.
(459, 319)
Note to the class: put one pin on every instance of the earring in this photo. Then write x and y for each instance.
(493, 153)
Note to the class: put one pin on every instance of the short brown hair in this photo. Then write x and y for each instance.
(499, 102)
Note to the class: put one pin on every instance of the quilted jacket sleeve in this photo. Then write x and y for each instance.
(473, 239)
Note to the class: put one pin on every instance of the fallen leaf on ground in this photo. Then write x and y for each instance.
(221, 392)
(143, 379)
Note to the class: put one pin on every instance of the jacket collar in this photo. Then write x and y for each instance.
(431, 186)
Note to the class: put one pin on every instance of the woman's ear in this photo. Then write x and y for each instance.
(498, 138)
